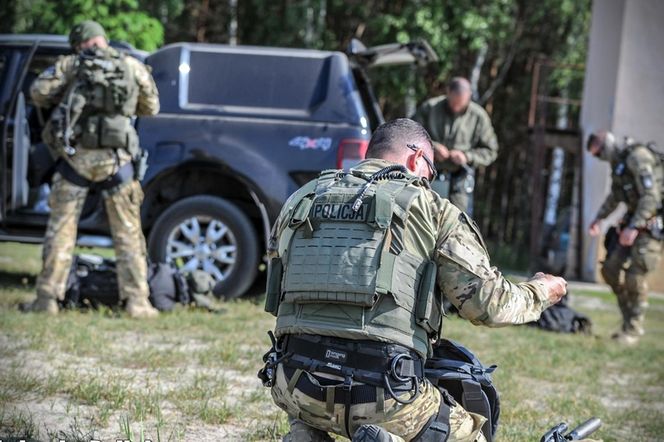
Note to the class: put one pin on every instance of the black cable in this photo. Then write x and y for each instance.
(395, 171)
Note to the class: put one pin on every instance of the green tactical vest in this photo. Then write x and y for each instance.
(96, 110)
(623, 180)
(345, 272)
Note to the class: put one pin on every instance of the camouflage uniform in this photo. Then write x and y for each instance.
(636, 180)
(67, 199)
(470, 132)
(464, 276)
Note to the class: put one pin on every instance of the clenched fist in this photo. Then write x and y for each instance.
(555, 285)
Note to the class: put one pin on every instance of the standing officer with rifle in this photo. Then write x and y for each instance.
(96, 92)
(463, 139)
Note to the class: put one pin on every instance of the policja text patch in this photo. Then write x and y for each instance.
(340, 212)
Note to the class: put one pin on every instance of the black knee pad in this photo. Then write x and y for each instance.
(371, 433)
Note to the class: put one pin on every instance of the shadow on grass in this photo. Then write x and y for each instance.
(17, 280)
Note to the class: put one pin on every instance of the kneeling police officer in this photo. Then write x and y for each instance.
(358, 298)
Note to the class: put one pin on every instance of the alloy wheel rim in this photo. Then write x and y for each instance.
(203, 243)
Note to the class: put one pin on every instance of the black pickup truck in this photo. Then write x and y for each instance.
(240, 128)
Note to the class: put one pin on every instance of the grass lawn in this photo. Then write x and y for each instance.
(190, 375)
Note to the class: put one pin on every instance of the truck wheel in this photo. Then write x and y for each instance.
(210, 234)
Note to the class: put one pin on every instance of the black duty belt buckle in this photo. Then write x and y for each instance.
(348, 382)
(398, 372)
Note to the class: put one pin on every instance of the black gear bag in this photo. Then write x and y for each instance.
(93, 282)
(457, 370)
(562, 318)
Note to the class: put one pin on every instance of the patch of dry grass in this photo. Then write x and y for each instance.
(191, 375)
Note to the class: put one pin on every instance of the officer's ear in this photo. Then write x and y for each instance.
(411, 161)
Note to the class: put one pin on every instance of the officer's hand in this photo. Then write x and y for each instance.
(595, 229)
(440, 152)
(458, 157)
(555, 285)
(628, 236)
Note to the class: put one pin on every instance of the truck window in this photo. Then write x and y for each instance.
(265, 81)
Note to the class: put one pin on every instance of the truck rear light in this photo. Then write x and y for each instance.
(351, 151)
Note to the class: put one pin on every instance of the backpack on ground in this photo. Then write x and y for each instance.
(457, 370)
(563, 319)
(92, 282)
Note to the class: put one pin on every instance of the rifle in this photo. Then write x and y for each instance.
(557, 433)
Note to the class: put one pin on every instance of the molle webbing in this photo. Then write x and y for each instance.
(338, 255)
(350, 273)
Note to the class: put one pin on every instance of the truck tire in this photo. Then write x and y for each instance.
(211, 234)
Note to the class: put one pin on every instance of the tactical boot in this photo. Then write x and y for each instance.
(372, 433)
(41, 305)
(141, 308)
(625, 338)
(636, 323)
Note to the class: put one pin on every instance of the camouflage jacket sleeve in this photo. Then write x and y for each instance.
(480, 292)
(641, 163)
(148, 95)
(609, 205)
(485, 150)
(48, 89)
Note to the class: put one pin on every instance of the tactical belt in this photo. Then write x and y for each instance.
(367, 360)
(125, 173)
(359, 394)
(388, 369)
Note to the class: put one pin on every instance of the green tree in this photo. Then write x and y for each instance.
(122, 19)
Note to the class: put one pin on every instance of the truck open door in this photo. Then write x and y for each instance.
(20, 152)
(15, 141)
(417, 53)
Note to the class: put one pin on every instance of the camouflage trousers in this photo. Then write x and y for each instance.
(311, 419)
(626, 270)
(123, 210)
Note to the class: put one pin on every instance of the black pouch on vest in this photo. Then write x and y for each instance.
(273, 295)
(428, 309)
(114, 131)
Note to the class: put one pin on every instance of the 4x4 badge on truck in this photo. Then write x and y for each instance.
(305, 143)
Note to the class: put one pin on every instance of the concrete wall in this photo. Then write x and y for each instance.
(623, 92)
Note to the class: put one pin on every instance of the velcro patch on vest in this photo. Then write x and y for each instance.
(335, 355)
(340, 212)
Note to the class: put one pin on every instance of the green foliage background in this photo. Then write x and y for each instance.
(501, 40)
(123, 19)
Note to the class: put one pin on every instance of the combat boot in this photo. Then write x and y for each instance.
(625, 338)
(374, 433)
(41, 305)
(141, 308)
